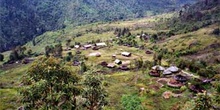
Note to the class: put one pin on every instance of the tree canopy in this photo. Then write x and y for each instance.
(50, 85)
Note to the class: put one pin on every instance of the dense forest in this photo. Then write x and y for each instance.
(22, 20)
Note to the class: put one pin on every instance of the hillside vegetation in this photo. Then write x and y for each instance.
(199, 15)
(23, 20)
(133, 83)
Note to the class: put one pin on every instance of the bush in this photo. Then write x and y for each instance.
(29, 52)
(68, 58)
(14, 56)
(206, 72)
(183, 88)
(154, 36)
(203, 102)
(216, 31)
(131, 102)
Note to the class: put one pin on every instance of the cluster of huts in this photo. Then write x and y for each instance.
(123, 65)
(95, 46)
(174, 77)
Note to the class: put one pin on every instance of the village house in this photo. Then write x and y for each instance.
(167, 72)
(87, 46)
(126, 54)
(158, 68)
(111, 65)
(180, 78)
(154, 73)
(174, 83)
(171, 70)
(77, 46)
(124, 67)
(117, 61)
(101, 44)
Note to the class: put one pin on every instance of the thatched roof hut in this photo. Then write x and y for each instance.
(173, 69)
(154, 73)
(174, 83)
(158, 68)
(167, 72)
(180, 78)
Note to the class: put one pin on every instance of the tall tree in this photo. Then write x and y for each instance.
(50, 85)
(94, 91)
(68, 43)
(58, 50)
(203, 102)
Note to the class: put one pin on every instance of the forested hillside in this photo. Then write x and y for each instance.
(95, 52)
(192, 18)
(21, 20)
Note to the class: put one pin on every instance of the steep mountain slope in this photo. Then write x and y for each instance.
(192, 18)
(21, 20)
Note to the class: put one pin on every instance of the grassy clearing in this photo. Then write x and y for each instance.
(89, 33)
(9, 98)
(202, 37)
(10, 81)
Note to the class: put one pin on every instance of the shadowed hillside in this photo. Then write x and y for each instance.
(21, 20)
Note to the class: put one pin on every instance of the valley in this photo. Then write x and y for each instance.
(168, 61)
(119, 83)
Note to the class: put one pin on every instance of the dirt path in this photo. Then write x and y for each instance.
(189, 74)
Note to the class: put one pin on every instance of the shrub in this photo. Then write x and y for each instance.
(155, 37)
(14, 56)
(29, 52)
(203, 102)
(216, 31)
(183, 88)
(72, 46)
(68, 58)
(131, 102)
(207, 72)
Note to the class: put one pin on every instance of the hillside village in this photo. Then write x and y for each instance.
(140, 64)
